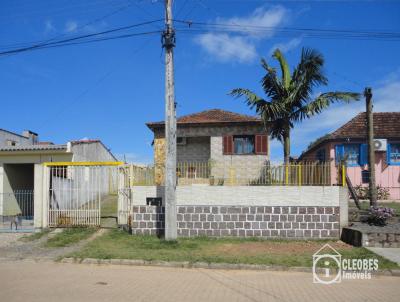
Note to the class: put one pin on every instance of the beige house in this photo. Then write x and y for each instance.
(227, 142)
(21, 169)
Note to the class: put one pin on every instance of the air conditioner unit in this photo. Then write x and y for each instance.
(380, 144)
(180, 141)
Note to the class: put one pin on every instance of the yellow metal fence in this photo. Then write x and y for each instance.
(189, 173)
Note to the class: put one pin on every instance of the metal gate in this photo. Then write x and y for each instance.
(79, 191)
(17, 211)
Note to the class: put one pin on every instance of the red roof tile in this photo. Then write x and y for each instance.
(213, 116)
(386, 125)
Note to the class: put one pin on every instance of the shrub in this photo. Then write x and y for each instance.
(363, 192)
(380, 215)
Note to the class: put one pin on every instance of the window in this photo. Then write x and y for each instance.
(393, 152)
(353, 154)
(365, 176)
(243, 144)
(321, 155)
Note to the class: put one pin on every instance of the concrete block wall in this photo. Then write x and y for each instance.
(242, 221)
(243, 211)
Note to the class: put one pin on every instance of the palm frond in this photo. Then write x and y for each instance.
(271, 84)
(269, 111)
(322, 102)
(286, 77)
(307, 75)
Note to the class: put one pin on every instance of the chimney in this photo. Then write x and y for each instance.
(33, 137)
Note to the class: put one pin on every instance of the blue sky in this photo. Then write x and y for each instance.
(108, 90)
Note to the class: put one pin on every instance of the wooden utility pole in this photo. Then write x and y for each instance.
(371, 146)
(168, 40)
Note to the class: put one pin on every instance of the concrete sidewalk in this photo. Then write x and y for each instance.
(392, 254)
(30, 281)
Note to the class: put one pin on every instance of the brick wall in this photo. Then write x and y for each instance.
(242, 221)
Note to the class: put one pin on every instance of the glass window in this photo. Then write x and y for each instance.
(395, 153)
(243, 144)
(352, 154)
(321, 155)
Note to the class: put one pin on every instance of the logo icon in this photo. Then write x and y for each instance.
(327, 265)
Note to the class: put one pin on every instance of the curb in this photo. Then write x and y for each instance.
(204, 265)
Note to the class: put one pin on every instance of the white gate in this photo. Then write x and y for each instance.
(125, 186)
(79, 192)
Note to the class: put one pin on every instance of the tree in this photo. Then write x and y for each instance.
(290, 97)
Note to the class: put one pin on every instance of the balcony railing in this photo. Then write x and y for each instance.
(219, 174)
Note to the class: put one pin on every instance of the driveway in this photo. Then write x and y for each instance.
(49, 281)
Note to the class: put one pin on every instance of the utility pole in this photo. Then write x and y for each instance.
(168, 41)
(371, 146)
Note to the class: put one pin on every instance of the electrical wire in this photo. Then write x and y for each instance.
(65, 41)
(307, 32)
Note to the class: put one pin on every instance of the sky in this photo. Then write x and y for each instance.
(108, 90)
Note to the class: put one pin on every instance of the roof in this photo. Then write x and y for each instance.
(212, 116)
(13, 133)
(386, 125)
(33, 148)
(85, 141)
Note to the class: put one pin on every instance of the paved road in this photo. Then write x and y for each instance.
(30, 281)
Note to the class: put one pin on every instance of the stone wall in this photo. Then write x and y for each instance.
(319, 222)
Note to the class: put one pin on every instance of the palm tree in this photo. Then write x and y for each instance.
(290, 97)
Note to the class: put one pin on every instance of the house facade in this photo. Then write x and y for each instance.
(21, 159)
(227, 142)
(349, 143)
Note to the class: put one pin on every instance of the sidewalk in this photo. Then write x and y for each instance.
(392, 254)
(45, 281)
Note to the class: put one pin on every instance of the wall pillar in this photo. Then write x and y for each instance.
(1, 188)
(41, 201)
(343, 207)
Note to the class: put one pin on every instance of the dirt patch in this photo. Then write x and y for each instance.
(274, 247)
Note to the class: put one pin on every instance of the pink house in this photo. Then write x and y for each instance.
(349, 142)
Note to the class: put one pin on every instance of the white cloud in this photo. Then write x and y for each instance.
(240, 43)
(71, 26)
(48, 26)
(261, 17)
(226, 48)
(285, 47)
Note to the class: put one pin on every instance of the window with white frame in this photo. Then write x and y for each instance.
(394, 154)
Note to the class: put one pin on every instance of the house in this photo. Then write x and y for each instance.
(349, 143)
(8, 138)
(21, 158)
(214, 136)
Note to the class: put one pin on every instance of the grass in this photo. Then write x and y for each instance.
(109, 206)
(34, 236)
(117, 244)
(69, 236)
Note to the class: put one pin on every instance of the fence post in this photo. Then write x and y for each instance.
(286, 174)
(299, 171)
(343, 175)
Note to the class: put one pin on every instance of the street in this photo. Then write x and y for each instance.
(47, 281)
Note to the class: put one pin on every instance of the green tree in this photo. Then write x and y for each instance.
(289, 98)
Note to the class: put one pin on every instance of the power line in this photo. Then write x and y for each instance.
(6, 47)
(307, 32)
(94, 85)
(64, 41)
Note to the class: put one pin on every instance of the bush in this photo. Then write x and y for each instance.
(380, 215)
(363, 192)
